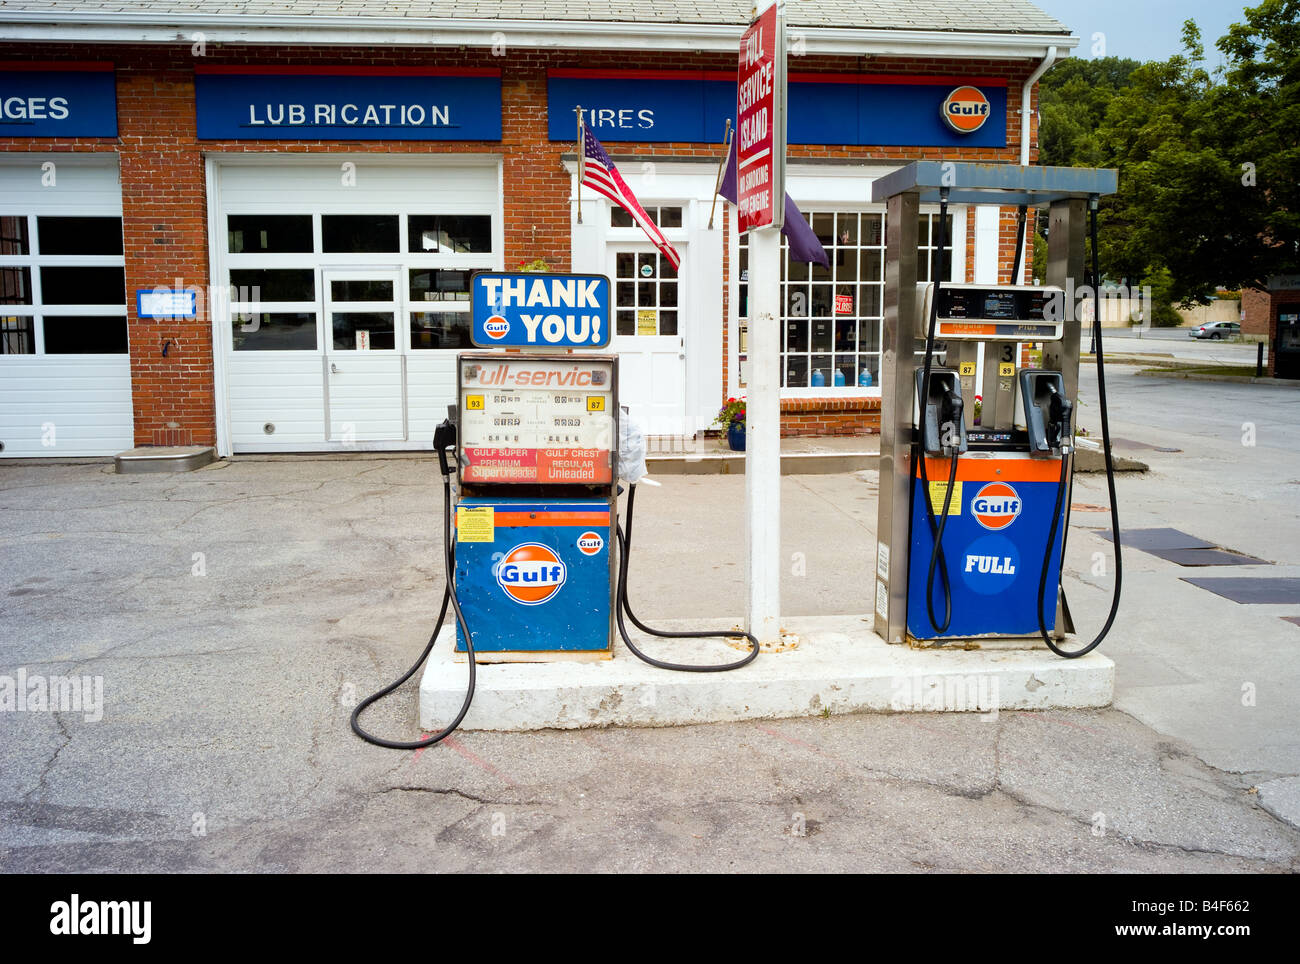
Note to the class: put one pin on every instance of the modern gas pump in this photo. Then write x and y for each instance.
(973, 508)
(535, 440)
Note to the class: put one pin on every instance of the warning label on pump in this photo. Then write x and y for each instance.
(475, 524)
(939, 491)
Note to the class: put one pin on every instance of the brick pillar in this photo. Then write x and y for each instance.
(164, 213)
(536, 184)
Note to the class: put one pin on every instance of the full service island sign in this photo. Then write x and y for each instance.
(760, 128)
(540, 310)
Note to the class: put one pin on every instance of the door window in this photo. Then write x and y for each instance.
(645, 294)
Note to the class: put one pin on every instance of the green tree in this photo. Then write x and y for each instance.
(1072, 101)
(1209, 165)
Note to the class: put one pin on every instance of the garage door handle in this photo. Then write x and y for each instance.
(334, 369)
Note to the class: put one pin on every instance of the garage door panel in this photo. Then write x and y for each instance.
(430, 388)
(286, 392)
(86, 401)
(81, 403)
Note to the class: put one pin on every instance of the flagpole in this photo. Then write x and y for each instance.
(582, 161)
(722, 169)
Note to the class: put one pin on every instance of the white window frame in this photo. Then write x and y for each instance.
(821, 188)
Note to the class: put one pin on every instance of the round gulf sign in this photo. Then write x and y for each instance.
(590, 543)
(496, 327)
(996, 505)
(531, 573)
(966, 109)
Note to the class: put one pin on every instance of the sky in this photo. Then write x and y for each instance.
(1144, 29)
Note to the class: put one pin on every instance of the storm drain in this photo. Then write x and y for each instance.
(1248, 591)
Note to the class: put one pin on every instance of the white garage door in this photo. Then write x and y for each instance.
(65, 373)
(349, 296)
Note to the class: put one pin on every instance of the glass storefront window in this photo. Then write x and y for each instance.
(80, 235)
(275, 331)
(440, 329)
(359, 233)
(67, 308)
(269, 234)
(85, 334)
(449, 233)
(83, 285)
(831, 317)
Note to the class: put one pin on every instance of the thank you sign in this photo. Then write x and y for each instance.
(540, 310)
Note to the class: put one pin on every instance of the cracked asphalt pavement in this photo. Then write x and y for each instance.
(236, 613)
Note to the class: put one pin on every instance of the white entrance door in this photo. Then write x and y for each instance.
(650, 337)
(365, 370)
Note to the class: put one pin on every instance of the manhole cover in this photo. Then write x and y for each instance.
(1150, 539)
(1260, 592)
(1207, 557)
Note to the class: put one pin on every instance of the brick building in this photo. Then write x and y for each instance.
(1274, 312)
(251, 225)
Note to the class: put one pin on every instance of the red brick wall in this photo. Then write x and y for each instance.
(164, 197)
(830, 416)
(1257, 308)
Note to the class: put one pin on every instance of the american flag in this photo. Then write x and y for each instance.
(600, 174)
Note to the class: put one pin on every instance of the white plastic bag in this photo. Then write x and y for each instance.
(631, 449)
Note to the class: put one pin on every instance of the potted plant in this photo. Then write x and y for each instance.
(732, 419)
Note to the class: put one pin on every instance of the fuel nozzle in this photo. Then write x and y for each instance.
(940, 416)
(1059, 411)
(444, 438)
(1048, 413)
(951, 411)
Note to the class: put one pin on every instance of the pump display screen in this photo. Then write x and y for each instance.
(536, 420)
(1011, 313)
(993, 304)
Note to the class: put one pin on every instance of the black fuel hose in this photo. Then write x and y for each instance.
(448, 596)
(622, 606)
(918, 453)
(1063, 485)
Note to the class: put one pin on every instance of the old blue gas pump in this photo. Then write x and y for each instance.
(535, 449)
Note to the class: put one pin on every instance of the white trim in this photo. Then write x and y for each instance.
(217, 319)
(355, 31)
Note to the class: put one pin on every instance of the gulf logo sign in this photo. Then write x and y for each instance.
(531, 573)
(496, 327)
(966, 109)
(590, 543)
(996, 506)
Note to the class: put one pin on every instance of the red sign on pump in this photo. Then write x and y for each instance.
(760, 124)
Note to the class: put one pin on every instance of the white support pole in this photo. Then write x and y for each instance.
(763, 436)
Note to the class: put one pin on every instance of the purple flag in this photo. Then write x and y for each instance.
(804, 245)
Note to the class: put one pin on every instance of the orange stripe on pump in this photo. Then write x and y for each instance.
(551, 518)
(995, 470)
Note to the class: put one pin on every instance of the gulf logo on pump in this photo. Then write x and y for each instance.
(531, 573)
(966, 109)
(996, 506)
(590, 543)
(496, 327)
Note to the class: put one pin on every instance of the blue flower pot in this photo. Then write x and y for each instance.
(736, 436)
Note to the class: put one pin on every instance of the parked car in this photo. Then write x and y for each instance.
(1216, 330)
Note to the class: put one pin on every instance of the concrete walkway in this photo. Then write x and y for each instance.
(234, 615)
